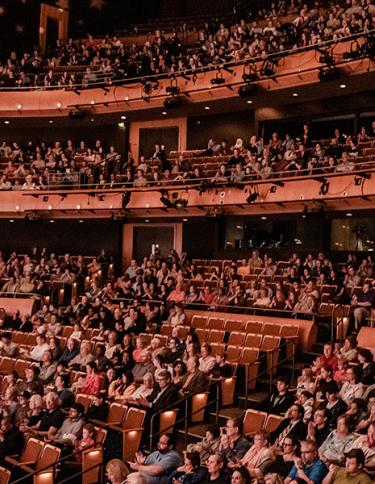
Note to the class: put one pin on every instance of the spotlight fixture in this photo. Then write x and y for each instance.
(180, 203)
(355, 51)
(165, 200)
(252, 197)
(250, 73)
(327, 58)
(324, 187)
(125, 199)
(101, 198)
(218, 79)
(172, 90)
(247, 91)
(268, 68)
(358, 180)
(327, 74)
(45, 199)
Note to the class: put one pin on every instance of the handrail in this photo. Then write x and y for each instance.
(268, 370)
(82, 472)
(245, 309)
(198, 183)
(186, 72)
(55, 464)
(185, 418)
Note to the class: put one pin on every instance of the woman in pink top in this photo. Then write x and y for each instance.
(92, 381)
(178, 294)
(140, 345)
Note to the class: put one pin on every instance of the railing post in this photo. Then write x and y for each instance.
(246, 383)
(217, 401)
(186, 420)
(151, 431)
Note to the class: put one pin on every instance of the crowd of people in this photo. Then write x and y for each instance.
(39, 166)
(110, 58)
(327, 434)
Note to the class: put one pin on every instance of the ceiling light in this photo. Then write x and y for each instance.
(80, 221)
(123, 117)
(49, 207)
(50, 121)
(164, 113)
(17, 207)
(264, 218)
(126, 98)
(249, 101)
(78, 207)
(11, 220)
(349, 214)
(92, 120)
(92, 102)
(58, 105)
(342, 86)
(147, 220)
(51, 221)
(184, 219)
(207, 108)
(295, 94)
(19, 106)
(6, 122)
(121, 125)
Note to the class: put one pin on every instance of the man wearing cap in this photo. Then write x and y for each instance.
(72, 426)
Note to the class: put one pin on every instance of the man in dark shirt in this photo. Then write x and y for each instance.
(318, 428)
(232, 444)
(236, 158)
(216, 466)
(11, 439)
(53, 418)
(335, 405)
(363, 303)
(290, 427)
(281, 399)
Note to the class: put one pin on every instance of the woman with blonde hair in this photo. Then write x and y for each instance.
(136, 478)
(116, 471)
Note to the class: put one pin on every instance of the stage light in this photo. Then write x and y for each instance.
(218, 79)
(250, 73)
(180, 203)
(172, 90)
(252, 197)
(268, 69)
(327, 58)
(125, 199)
(165, 200)
(324, 187)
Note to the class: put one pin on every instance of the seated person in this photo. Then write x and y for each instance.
(307, 468)
(208, 445)
(352, 473)
(71, 429)
(194, 380)
(292, 426)
(339, 441)
(259, 456)
(191, 470)
(281, 399)
(160, 464)
(232, 444)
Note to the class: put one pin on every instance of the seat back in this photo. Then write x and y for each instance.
(234, 353)
(131, 440)
(198, 405)
(253, 327)
(272, 422)
(216, 323)
(216, 336)
(253, 421)
(236, 338)
(167, 420)
(271, 329)
(199, 322)
(50, 455)
(228, 386)
(253, 340)
(217, 348)
(84, 399)
(91, 461)
(32, 450)
(116, 413)
(134, 419)
(234, 325)
(100, 435)
(4, 475)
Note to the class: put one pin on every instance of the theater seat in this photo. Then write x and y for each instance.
(4, 475)
(253, 421)
(131, 440)
(30, 454)
(91, 462)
